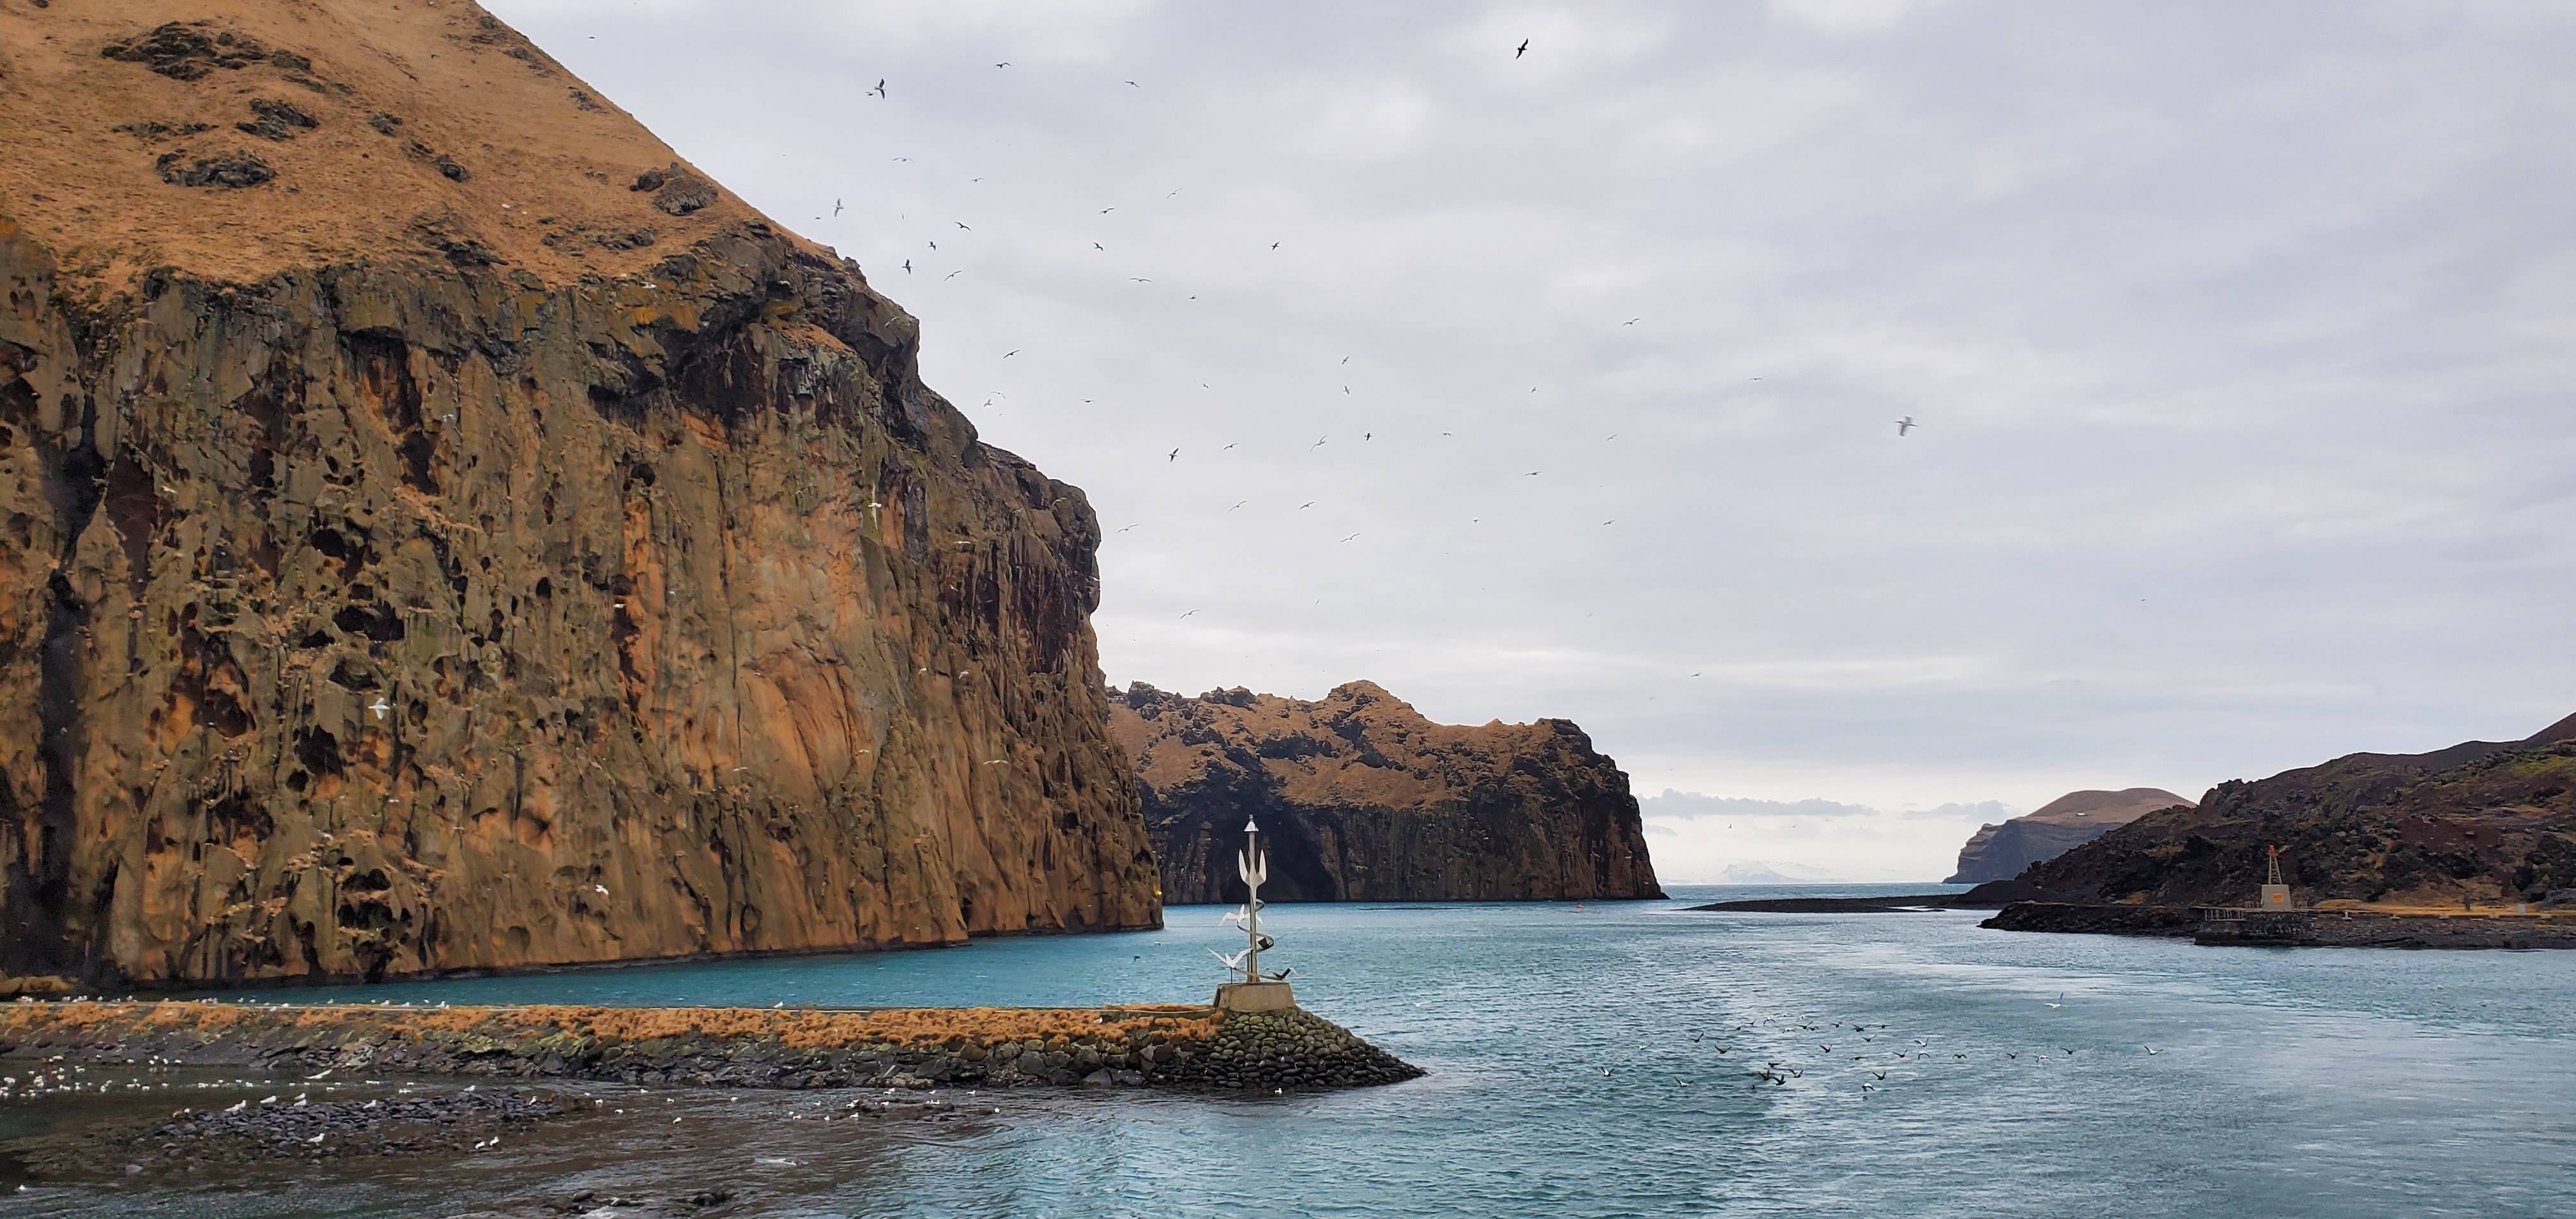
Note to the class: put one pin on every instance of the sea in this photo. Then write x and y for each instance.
(1607, 1059)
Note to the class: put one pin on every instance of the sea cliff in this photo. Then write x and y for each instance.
(440, 529)
(1361, 798)
(2483, 822)
(2002, 851)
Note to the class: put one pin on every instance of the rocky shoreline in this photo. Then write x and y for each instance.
(2332, 928)
(1176, 1047)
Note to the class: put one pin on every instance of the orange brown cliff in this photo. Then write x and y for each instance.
(441, 530)
(1360, 798)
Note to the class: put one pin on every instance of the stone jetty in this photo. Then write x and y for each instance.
(1178, 1047)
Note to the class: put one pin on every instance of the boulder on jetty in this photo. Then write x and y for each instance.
(911, 1048)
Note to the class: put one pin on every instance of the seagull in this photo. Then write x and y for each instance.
(961, 224)
(1906, 424)
(380, 706)
(1308, 504)
(1632, 321)
(1012, 352)
(1352, 536)
(953, 274)
(602, 890)
(1140, 279)
(907, 266)
(1102, 248)
(1187, 615)
(836, 207)
(1319, 443)
(993, 761)
(1239, 503)
(1522, 49)
(1274, 245)
(880, 92)
(1231, 962)
(2061, 1000)
(1175, 456)
(2151, 1049)
(1134, 83)
(1004, 64)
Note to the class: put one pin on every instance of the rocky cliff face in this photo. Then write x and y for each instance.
(2000, 852)
(1362, 799)
(439, 529)
(2483, 820)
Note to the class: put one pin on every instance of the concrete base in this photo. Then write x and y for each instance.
(1254, 997)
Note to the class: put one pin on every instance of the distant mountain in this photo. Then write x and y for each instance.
(1361, 798)
(2001, 851)
(2494, 821)
(1765, 872)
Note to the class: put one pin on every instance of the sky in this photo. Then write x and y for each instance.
(2240, 341)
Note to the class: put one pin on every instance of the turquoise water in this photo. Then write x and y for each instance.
(1565, 1082)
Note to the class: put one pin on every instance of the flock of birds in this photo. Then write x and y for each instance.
(931, 249)
(1879, 1057)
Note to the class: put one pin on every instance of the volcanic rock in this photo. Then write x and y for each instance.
(2484, 821)
(2000, 852)
(398, 577)
(1363, 799)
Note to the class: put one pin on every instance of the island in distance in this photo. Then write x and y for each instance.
(2003, 851)
(1364, 799)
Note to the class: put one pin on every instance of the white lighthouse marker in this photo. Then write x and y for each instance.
(1252, 991)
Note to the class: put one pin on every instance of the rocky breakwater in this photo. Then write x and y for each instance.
(1363, 799)
(440, 530)
(1170, 1046)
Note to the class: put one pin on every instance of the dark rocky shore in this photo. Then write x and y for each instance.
(2296, 928)
(911, 1049)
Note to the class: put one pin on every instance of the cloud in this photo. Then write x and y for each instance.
(2238, 345)
(1848, 17)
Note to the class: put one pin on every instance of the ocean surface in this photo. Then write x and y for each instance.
(1585, 1061)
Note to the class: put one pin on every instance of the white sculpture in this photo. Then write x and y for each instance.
(1254, 863)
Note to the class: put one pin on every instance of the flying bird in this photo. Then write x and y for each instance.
(954, 274)
(907, 266)
(1906, 424)
(1102, 248)
(1308, 504)
(836, 207)
(380, 706)
(1238, 504)
(961, 224)
(1522, 49)
(880, 92)
(1012, 352)
(1173, 457)
(1187, 615)
(1004, 64)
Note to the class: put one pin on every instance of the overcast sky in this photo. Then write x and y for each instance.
(2242, 338)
